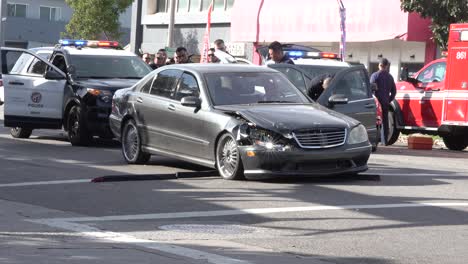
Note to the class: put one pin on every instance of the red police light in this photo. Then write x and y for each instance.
(328, 55)
(108, 44)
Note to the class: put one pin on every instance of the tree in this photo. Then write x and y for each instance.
(94, 18)
(441, 12)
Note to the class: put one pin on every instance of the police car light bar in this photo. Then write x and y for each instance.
(313, 55)
(88, 43)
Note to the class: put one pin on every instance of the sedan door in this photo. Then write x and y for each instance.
(32, 99)
(353, 84)
(187, 122)
(154, 108)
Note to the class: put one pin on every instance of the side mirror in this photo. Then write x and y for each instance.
(191, 101)
(337, 99)
(53, 75)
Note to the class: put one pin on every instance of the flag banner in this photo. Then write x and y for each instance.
(206, 38)
(343, 30)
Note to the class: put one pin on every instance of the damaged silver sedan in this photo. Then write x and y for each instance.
(245, 121)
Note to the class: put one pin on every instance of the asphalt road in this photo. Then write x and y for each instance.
(410, 207)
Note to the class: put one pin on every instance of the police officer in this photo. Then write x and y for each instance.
(386, 91)
(275, 50)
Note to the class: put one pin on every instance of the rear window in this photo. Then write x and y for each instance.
(126, 67)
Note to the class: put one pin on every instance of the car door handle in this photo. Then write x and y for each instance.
(15, 83)
(139, 100)
(171, 107)
(370, 106)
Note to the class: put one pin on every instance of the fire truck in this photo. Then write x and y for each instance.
(435, 99)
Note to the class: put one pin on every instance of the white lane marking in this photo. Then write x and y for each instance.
(409, 174)
(94, 233)
(253, 211)
(19, 184)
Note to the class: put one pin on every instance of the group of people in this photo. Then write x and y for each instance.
(181, 56)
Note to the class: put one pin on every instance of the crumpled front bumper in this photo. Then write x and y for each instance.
(262, 163)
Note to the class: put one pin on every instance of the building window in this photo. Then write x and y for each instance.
(205, 4)
(222, 5)
(182, 5)
(194, 5)
(16, 10)
(161, 6)
(202, 5)
(49, 13)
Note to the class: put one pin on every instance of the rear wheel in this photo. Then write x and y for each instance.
(19, 132)
(452, 142)
(131, 145)
(77, 131)
(393, 131)
(228, 159)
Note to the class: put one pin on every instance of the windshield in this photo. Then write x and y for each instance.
(124, 67)
(252, 88)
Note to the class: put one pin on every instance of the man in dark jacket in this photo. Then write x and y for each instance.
(318, 85)
(386, 91)
(275, 50)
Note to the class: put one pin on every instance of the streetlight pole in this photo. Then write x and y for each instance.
(170, 28)
(3, 15)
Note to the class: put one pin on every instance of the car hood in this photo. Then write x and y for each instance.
(284, 118)
(107, 84)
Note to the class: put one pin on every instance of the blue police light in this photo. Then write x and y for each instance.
(73, 42)
(296, 53)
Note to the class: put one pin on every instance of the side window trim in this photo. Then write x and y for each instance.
(172, 97)
(180, 81)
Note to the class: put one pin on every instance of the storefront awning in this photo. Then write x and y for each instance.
(304, 21)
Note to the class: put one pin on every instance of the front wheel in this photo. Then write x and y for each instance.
(393, 131)
(131, 145)
(77, 132)
(228, 159)
(455, 142)
(20, 132)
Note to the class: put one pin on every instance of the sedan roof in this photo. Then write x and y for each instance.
(214, 68)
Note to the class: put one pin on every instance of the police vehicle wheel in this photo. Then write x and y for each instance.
(228, 159)
(393, 132)
(131, 145)
(19, 132)
(455, 142)
(77, 131)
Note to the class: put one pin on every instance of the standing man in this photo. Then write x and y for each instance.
(146, 58)
(212, 57)
(386, 91)
(159, 60)
(219, 45)
(181, 56)
(275, 50)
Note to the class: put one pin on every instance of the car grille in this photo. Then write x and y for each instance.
(320, 138)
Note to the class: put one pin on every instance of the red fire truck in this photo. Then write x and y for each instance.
(435, 99)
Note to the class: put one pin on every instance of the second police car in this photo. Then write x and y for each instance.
(69, 86)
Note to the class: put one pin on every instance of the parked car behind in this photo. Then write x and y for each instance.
(350, 83)
(243, 120)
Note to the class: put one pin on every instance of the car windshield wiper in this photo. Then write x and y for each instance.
(279, 101)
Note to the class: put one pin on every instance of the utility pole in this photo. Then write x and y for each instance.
(136, 33)
(3, 17)
(170, 28)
